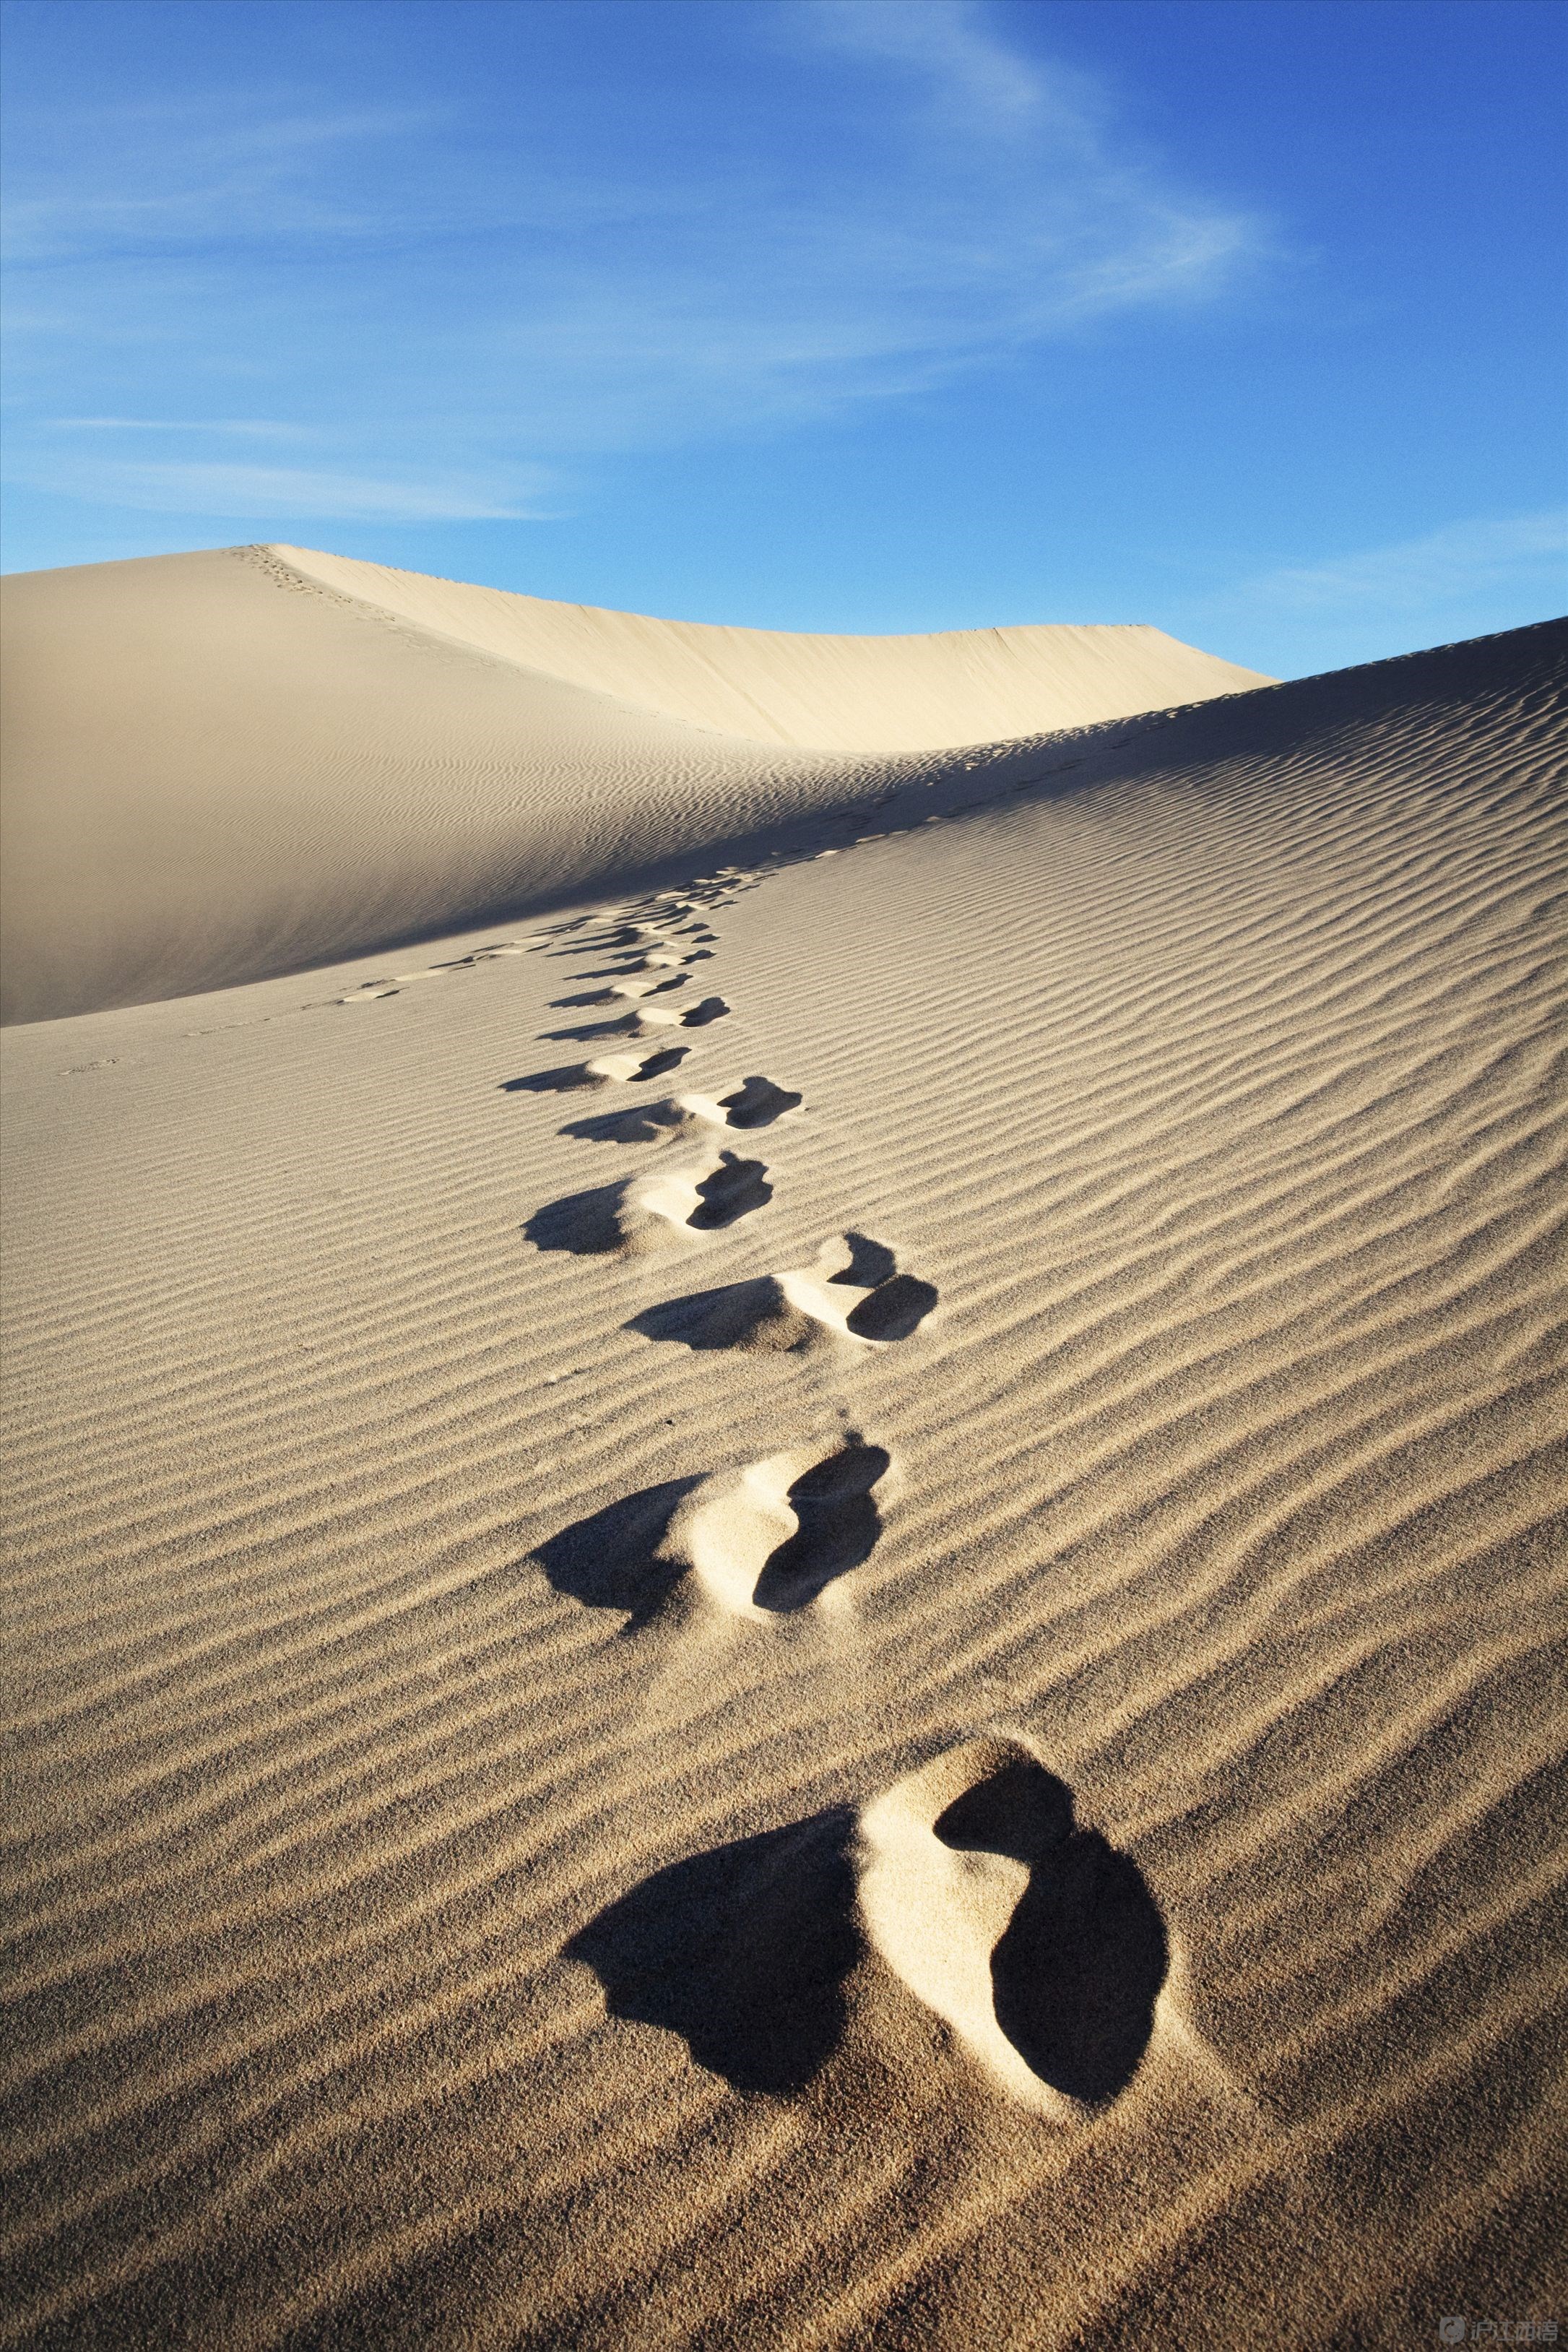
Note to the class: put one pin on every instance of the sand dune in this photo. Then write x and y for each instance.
(222, 766)
(825, 693)
(565, 1792)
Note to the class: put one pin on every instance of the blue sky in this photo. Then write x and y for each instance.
(1244, 316)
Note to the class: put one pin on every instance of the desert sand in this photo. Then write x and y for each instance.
(820, 1602)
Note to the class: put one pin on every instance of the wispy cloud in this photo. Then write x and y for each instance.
(517, 294)
(276, 493)
(1466, 580)
(246, 428)
(1455, 563)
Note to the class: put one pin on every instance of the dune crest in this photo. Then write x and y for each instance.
(935, 691)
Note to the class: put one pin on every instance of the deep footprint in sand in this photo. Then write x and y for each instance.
(1037, 1942)
(852, 1295)
(755, 1102)
(622, 993)
(650, 1211)
(699, 1016)
(773, 1537)
(607, 1070)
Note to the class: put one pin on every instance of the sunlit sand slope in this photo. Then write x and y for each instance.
(884, 1667)
(219, 766)
(832, 693)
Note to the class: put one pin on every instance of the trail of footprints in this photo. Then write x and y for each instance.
(1038, 1945)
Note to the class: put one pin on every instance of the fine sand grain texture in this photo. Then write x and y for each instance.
(887, 1670)
(222, 766)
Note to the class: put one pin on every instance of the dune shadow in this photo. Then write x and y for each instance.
(609, 1561)
(1079, 1964)
(742, 1950)
(839, 1527)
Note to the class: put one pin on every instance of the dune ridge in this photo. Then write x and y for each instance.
(225, 765)
(464, 1687)
(941, 691)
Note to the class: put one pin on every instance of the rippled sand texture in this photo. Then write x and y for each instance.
(883, 1671)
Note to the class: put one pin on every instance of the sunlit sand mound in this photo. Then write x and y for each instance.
(915, 693)
(886, 1669)
(225, 765)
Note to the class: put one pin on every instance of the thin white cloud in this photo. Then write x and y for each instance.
(271, 493)
(951, 45)
(1460, 562)
(249, 428)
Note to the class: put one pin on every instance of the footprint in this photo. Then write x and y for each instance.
(654, 1122)
(1037, 1941)
(632, 991)
(730, 1192)
(645, 1213)
(865, 1300)
(608, 1069)
(620, 991)
(368, 991)
(636, 1069)
(757, 1102)
(770, 1538)
(659, 1016)
(628, 1025)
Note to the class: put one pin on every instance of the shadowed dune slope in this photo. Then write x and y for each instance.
(536, 1819)
(225, 765)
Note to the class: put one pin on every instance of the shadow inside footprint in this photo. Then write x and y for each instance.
(609, 1561)
(757, 1102)
(732, 1192)
(870, 1263)
(894, 1309)
(742, 1951)
(586, 1224)
(839, 1524)
(1079, 1967)
(712, 1008)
